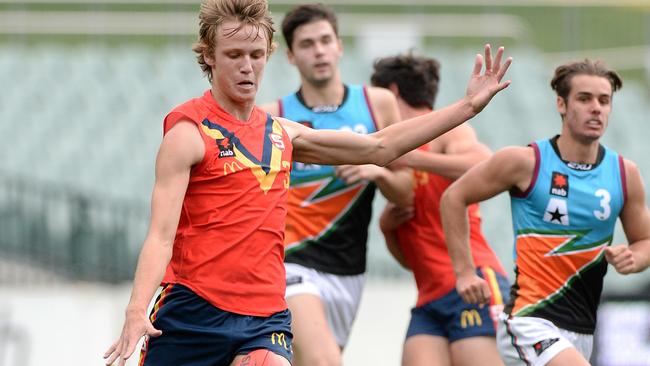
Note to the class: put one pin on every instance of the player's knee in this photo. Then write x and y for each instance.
(261, 357)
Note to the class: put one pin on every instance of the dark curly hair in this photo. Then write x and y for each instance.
(416, 77)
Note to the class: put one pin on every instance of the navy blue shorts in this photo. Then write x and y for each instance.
(452, 318)
(197, 333)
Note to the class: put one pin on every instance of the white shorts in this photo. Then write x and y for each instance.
(534, 341)
(341, 295)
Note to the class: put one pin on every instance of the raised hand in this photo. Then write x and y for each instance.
(482, 87)
(136, 325)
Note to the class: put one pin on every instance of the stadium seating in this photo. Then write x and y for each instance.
(86, 119)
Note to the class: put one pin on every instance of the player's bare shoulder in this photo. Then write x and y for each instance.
(384, 105)
(293, 129)
(517, 163)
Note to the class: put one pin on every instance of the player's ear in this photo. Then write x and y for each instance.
(209, 58)
(394, 89)
(561, 105)
(290, 56)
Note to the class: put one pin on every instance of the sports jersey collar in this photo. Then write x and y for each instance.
(257, 115)
(574, 165)
(324, 108)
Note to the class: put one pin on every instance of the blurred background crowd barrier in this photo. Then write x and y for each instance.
(86, 84)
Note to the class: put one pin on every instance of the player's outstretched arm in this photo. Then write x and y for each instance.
(384, 146)
(508, 168)
(635, 218)
(181, 148)
(395, 183)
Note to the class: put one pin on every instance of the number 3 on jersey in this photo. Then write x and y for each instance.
(604, 203)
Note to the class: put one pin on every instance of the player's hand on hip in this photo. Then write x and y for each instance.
(621, 257)
(136, 325)
(482, 87)
(473, 289)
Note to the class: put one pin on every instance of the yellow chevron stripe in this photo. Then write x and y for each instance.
(265, 180)
(215, 134)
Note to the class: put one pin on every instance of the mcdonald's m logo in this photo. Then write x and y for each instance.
(279, 339)
(231, 167)
(470, 318)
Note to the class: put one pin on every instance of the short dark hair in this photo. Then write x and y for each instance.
(416, 77)
(304, 14)
(561, 82)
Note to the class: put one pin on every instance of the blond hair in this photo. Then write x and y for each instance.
(214, 12)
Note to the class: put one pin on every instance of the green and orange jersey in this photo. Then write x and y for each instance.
(229, 245)
(327, 220)
(562, 224)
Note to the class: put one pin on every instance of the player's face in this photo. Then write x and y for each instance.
(316, 51)
(238, 62)
(586, 111)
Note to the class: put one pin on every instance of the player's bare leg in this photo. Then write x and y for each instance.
(475, 351)
(568, 357)
(426, 350)
(313, 341)
(260, 357)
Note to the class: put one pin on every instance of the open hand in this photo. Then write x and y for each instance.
(481, 88)
(356, 173)
(136, 325)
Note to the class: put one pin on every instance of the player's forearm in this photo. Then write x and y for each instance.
(150, 270)
(398, 139)
(450, 166)
(456, 228)
(396, 187)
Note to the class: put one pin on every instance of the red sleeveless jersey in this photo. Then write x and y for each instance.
(229, 243)
(422, 240)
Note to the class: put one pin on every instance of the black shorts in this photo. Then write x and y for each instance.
(195, 332)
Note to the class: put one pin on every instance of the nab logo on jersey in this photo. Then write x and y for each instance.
(560, 184)
(225, 148)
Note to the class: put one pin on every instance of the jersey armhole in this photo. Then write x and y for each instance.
(172, 119)
(514, 192)
(621, 167)
(370, 110)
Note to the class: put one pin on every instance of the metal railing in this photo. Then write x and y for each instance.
(49, 234)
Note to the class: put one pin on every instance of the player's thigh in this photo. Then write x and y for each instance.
(568, 357)
(314, 343)
(260, 357)
(426, 350)
(475, 351)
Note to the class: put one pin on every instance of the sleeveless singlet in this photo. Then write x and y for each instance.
(229, 247)
(562, 224)
(327, 222)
